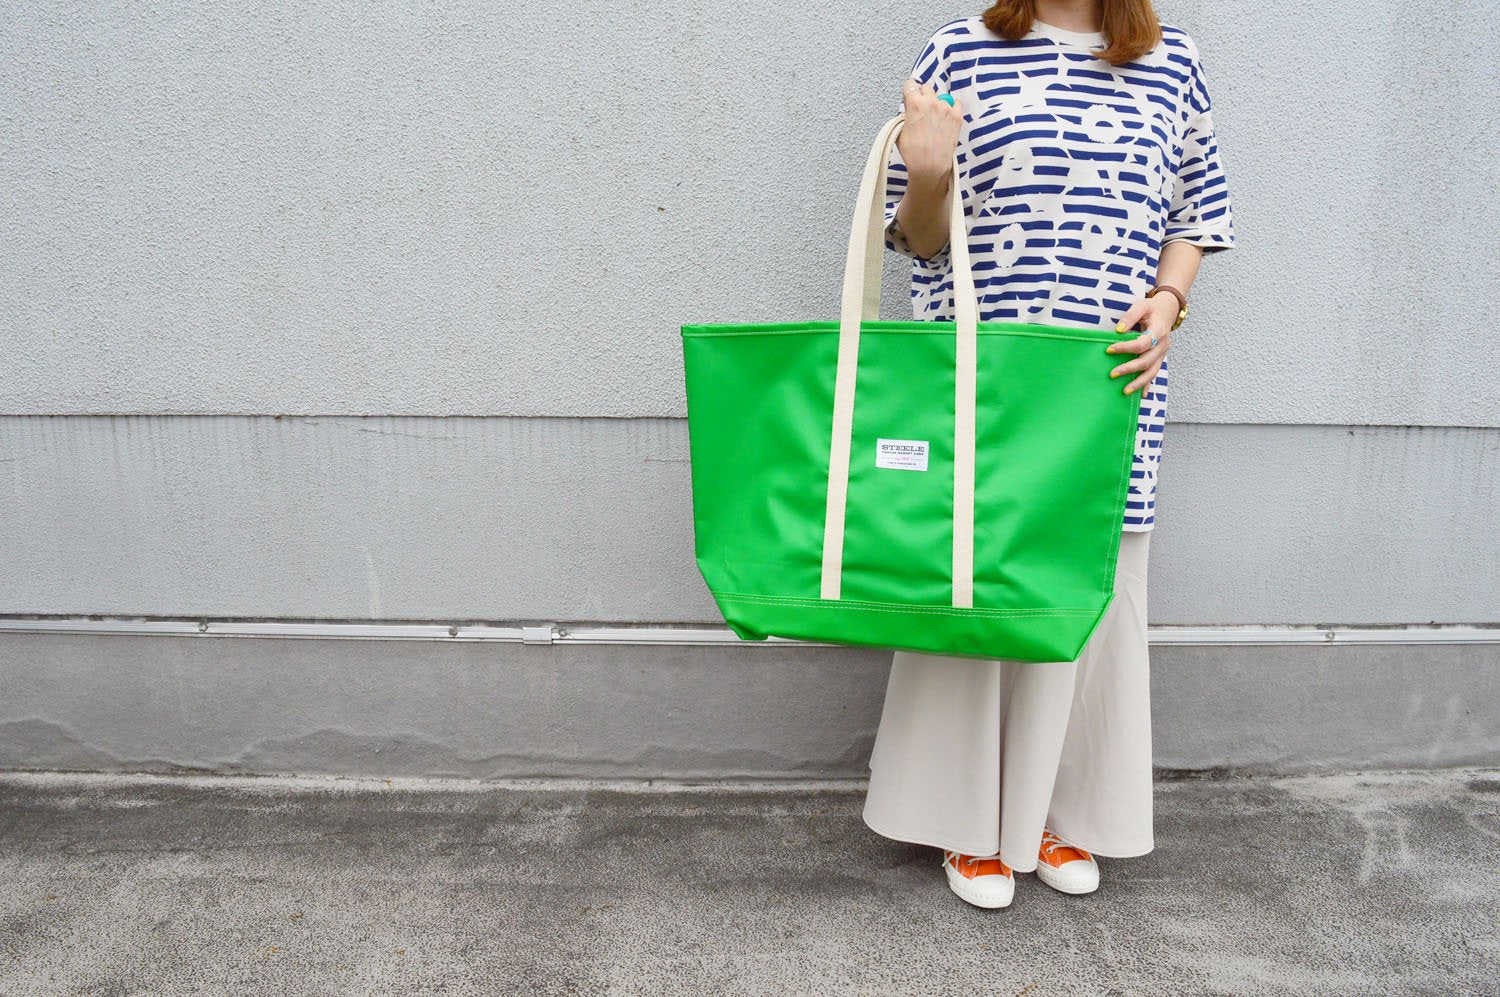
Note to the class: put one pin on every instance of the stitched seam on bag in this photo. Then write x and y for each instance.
(902, 608)
(901, 605)
(882, 607)
(798, 330)
(933, 611)
(1122, 493)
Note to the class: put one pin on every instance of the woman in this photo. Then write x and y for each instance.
(1092, 186)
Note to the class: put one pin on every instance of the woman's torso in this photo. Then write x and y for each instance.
(1066, 166)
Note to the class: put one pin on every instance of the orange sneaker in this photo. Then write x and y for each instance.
(982, 880)
(1064, 867)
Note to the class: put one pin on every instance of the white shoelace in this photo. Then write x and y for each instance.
(1051, 842)
(970, 859)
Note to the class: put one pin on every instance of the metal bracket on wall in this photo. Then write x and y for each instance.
(532, 635)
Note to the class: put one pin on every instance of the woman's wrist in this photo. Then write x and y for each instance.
(932, 185)
(922, 217)
(1171, 301)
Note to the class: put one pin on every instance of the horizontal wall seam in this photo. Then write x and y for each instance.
(1227, 635)
(1483, 427)
(277, 785)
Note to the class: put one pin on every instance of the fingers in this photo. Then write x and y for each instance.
(955, 109)
(1149, 355)
(1139, 344)
(1132, 366)
(1144, 379)
(911, 95)
(916, 94)
(1127, 323)
(1133, 315)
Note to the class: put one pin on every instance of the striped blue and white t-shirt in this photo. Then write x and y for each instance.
(1074, 173)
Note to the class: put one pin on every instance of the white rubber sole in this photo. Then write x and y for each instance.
(978, 896)
(1086, 881)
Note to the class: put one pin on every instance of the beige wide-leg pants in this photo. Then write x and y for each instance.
(977, 756)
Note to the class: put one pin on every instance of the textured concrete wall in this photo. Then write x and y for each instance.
(590, 520)
(388, 708)
(337, 312)
(509, 208)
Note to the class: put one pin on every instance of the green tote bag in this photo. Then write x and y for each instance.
(953, 488)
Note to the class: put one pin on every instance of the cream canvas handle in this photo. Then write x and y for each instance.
(861, 303)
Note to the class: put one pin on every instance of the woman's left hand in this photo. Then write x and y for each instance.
(1157, 313)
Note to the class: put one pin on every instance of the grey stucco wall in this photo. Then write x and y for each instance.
(331, 312)
(589, 520)
(351, 707)
(508, 209)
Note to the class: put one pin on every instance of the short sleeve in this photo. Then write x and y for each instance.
(1200, 213)
(927, 69)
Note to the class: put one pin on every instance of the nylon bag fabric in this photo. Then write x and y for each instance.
(950, 487)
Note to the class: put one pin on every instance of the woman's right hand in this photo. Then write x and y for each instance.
(930, 132)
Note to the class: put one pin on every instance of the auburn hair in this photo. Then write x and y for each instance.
(1130, 27)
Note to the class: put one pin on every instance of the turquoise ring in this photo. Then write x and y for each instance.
(946, 98)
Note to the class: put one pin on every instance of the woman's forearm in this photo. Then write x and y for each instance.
(923, 213)
(1177, 264)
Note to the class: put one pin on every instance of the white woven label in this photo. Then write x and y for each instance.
(904, 455)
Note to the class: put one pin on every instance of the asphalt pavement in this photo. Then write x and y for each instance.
(1361, 883)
